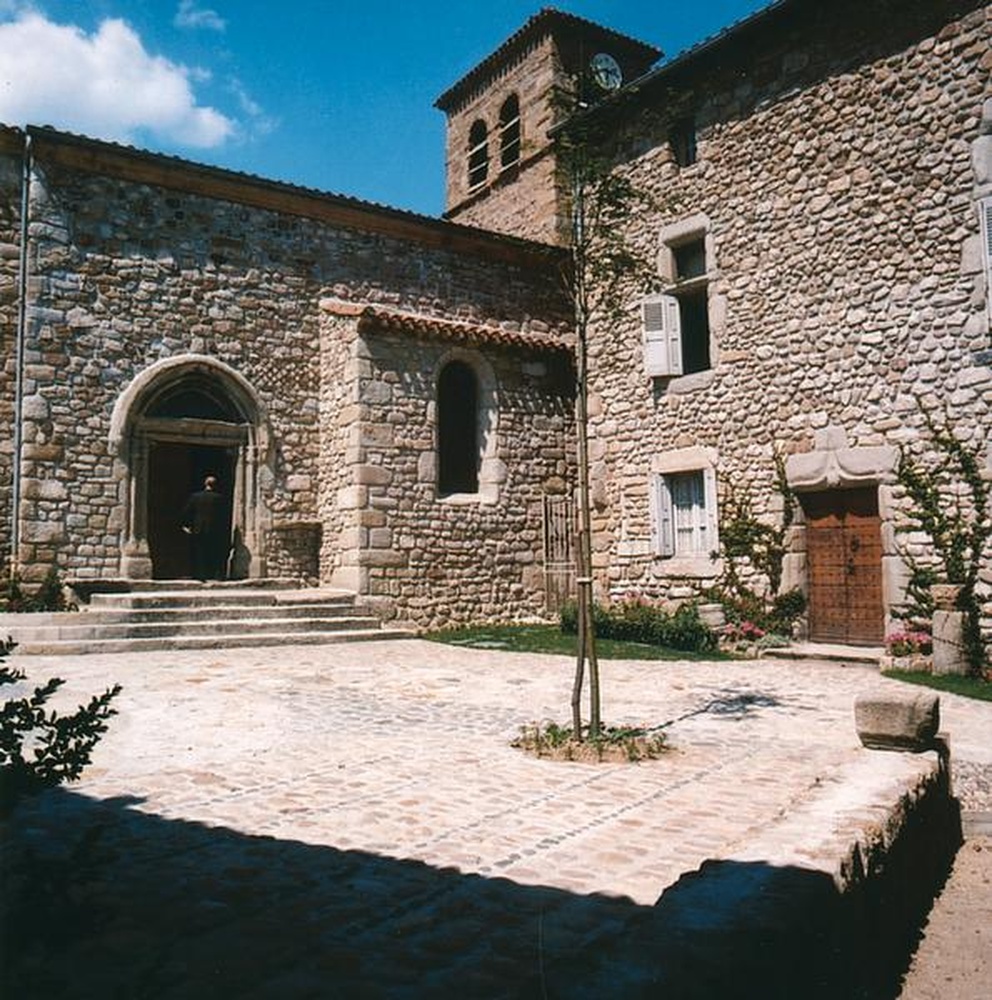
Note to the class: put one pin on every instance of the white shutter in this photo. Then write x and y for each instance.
(985, 208)
(662, 335)
(712, 543)
(664, 516)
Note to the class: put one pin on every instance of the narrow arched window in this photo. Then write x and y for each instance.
(457, 430)
(509, 132)
(478, 154)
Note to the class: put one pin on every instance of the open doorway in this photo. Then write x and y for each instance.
(175, 470)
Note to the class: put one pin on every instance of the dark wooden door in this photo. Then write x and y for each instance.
(175, 470)
(844, 553)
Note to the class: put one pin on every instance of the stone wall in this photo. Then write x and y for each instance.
(835, 190)
(138, 260)
(10, 215)
(443, 560)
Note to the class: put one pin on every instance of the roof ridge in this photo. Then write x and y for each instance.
(546, 15)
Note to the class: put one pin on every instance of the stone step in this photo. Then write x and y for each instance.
(830, 652)
(89, 617)
(73, 647)
(84, 631)
(85, 588)
(210, 597)
(185, 614)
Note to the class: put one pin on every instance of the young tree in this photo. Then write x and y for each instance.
(603, 267)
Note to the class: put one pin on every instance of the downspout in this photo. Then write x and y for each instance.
(19, 351)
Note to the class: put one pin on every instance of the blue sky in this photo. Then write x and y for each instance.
(332, 94)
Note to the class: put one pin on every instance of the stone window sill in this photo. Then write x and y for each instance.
(484, 496)
(698, 567)
(681, 384)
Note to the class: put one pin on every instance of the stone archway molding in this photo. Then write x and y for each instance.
(492, 471)
(132, 433)
(153, 379)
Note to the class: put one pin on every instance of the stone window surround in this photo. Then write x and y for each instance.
(132, 433)
(697, 458)
(834, 465)
(491, 470)
(675, 234)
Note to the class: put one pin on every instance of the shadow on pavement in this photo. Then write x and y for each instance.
(101, 900)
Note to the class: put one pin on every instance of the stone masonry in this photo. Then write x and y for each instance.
(821, 188)
(837, 196)
(143, 268)
(388, 534)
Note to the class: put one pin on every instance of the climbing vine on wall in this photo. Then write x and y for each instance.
(747, 542)
(950, 502)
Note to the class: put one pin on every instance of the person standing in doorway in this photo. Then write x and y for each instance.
(203, 520)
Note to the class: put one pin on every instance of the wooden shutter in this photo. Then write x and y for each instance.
(662, 335)
(710, 513)
(664, 518)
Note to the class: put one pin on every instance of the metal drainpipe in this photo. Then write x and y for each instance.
(22, 316)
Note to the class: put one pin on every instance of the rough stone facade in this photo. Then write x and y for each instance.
(393, 538)
(837, 201)
(150, 278)
(820, 178)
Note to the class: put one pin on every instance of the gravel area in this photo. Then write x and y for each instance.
(972, 785)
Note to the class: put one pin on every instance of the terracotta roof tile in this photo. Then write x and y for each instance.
(378, 317)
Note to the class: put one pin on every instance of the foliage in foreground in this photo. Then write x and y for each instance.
(39, 748)
(640, 621)
(966, 686)
(611, 743)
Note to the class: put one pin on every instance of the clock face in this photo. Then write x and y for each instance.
(606, 71)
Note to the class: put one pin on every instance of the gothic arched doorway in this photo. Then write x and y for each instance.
(178, 422)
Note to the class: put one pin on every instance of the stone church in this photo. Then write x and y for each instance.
(387, 399)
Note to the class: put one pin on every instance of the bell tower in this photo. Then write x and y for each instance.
(502, 172)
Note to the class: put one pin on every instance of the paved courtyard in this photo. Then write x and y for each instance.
(351, 820)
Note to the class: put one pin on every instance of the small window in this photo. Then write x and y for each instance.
(686, 513)
(478, 154)
(457, 430)
(509, 132)
(690, 259)
(682, 140)
(694, 314)
(676, 325)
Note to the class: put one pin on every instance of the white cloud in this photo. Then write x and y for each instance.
(104, 85)
(258, 122)
(191, 16)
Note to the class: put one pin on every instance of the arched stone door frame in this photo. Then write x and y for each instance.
(133, 432)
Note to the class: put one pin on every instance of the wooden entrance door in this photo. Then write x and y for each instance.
(844, 554)
(175, 470)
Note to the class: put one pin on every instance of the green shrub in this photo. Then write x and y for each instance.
(49, 596)
(640, 621)
(39, 748)
(787, 608)
(745, 606)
